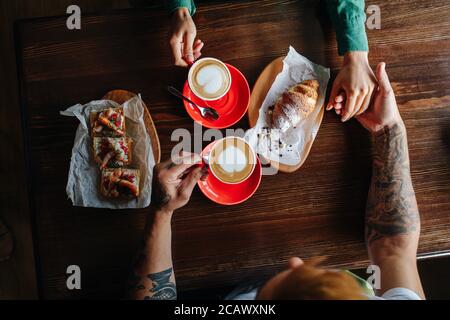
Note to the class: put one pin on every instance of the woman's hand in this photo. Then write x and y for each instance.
(174, 180)
(353, 87)
(185, 50)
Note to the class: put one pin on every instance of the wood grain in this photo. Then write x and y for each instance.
(318, 210)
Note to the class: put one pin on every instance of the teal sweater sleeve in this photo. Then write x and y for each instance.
(172, 5)
(348, 18)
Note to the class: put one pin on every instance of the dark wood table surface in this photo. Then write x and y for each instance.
(318, 210)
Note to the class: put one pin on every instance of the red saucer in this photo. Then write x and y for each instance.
(229, 194)
(231, 107)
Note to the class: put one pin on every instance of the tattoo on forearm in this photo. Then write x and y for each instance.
(163, 288)
(160, 288)
(391, 205)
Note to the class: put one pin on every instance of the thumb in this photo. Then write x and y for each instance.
(188, 47)
(333, 94)
(383, 79)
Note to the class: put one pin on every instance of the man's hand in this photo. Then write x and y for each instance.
(184, 50)
(153, 276)
(174, 180)
(353, 87)
(384, 111)
(392, 215)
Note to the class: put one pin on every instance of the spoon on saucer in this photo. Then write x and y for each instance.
(206, 112)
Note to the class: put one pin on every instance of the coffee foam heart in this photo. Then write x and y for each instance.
(232, 159)
(210, 78)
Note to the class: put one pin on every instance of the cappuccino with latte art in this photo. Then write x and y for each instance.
(209, 79)
(232, 160)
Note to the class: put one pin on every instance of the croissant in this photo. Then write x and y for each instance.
(295, 104)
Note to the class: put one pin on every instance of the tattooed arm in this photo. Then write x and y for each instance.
(392, 215)
(152, 276)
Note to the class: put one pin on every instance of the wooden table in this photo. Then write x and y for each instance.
(318, 210)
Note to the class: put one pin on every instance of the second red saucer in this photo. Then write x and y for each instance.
(231, 108)
(229, 194)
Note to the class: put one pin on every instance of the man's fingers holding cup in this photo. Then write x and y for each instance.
(189, 182)
(184, 162)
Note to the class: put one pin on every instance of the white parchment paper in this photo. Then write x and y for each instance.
(292, 149)
(84, 173)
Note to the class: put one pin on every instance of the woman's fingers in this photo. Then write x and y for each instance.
(349, 107)
(198, 46)
(358, 105)
(176, 46)
(365, 104)
(340, 97)
(334, 92)
(188, 51)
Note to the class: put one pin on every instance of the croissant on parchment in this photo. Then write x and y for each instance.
(295, 104)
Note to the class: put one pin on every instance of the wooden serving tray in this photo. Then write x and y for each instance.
(121, 96)
(259, 92)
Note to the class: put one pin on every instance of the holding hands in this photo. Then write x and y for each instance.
(353, 87)
(185, 48)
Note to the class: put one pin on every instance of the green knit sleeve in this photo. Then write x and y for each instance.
(348, 18)
(172, 5)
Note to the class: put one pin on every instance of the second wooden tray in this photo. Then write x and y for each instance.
(259, 92)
